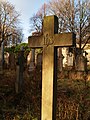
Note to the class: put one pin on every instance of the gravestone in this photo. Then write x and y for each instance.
(0, 54)
(2, 50)
(70, 59)
(32, 60)
(81, 63)
(28, 59)
(60, 59)
(0, 58)
(50, 40)
(6, 57)
(19, 72)
(12, 61)
(39, 59)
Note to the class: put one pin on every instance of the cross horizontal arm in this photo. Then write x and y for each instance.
(57, 40)
(64, 39)
(35, 41)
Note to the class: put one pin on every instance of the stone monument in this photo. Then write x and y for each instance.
(39, 59)
(19, 71)
(1, 57)
(49, 41)
(32, 60)
(60, 59)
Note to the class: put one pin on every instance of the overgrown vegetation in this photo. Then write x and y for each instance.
(16, 49)
(73, 98)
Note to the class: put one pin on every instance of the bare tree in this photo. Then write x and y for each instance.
(15, 38)
(9, 21)
(74, 16)
(10, 31)
(83, 22)
(36, 21)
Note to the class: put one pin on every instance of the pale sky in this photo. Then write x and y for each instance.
(27, 8)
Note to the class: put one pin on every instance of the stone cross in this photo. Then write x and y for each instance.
(50, 40)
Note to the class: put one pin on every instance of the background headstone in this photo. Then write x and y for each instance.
(70, 60)
(81, 63)
(12, 61)
(19, 85)
(32, 60)
(28, 59)
(1, 57)
(2, 50)
(0, 54)
(6, 57)
(60, 59)
(39, 59)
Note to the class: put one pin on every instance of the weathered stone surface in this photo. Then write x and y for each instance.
(50, 36)
(12, 61)
(49, 40)
(81, 63)
(0, 60)
(32, 60)
(1, 57)
(60, 59)
(19, 85)
(39, 59)
(0, 54)
(70, 59)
